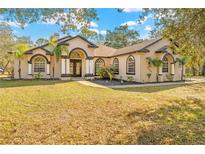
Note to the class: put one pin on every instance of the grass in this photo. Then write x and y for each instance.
(56, 112)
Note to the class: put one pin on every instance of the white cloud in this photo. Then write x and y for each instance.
(94, 30)
(130, 23)
(142, 21)
(12, 23)
(103, 32)
(145, 36)
(93, 24)
(148, 28)
(137, 22)
(50, 22)
(128, 10)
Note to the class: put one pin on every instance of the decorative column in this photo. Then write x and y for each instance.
(160, 76)
(160, 70)
(29, 68)
(184, 69)
(172, 69)
(63, 66)
(48, 69)
(87, 69)
(67, 66)
(91, 67)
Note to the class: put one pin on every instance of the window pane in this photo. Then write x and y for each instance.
(98, 64)
(131, 65)
(116, 65)
(165, 67)
(39, 65)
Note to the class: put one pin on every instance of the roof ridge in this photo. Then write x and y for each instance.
(157, 39)
(153, 41)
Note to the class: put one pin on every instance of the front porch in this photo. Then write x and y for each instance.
(77, 64)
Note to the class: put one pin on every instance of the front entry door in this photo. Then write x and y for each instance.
(75, 67)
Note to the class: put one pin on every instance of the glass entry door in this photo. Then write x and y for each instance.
(75, 67)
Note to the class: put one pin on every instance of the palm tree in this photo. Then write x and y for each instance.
(157, 63)
(56, 51)
(53, 44)
(20, 49)
(182, 60)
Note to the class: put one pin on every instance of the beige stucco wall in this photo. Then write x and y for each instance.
(122, 67)
(79, 43)
(24, 65)
(153, 70)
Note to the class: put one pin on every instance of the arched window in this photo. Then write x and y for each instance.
(39, 65)
(131, 65)
(116, 66)
(99, 63)
(165, 67)
(75, 55)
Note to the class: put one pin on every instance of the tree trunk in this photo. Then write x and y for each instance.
(19, 70)
(182, 73)
(53, 67)
(5, 67)
(157, 74)
(53, 72)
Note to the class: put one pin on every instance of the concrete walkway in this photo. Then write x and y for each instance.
(88, 83)
(192, 81)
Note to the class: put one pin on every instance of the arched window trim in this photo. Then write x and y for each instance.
(86, 55)
(99, 59)
(127, 72)
(165, 65)
(39, 67)
(116, 70)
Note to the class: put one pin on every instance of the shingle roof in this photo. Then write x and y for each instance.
(139, 47)
(105, 51)
(61, 41)
(163, 49)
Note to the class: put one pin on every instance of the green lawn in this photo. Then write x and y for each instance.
(56, 112)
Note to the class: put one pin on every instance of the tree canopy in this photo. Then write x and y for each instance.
(68, 19)
(6, 44)
(41, 41)
(185, 28)
(121, 36)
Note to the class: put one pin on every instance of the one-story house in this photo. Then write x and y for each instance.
(85, 58)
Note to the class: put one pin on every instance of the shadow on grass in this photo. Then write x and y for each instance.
(181, 122)
(151, 89)
(22, 83)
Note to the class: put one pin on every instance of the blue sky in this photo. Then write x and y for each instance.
(108, 20)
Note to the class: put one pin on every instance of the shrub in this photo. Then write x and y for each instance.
(105, 72)
(189, 75)
(130, 78)
(170, 77)
(149, 75)
(38, 76)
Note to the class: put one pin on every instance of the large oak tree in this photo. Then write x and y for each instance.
(121, 36)
(6, 44)
(68, 19)
(185, 28)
